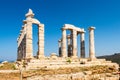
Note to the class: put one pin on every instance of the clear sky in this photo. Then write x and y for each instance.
(103, 14)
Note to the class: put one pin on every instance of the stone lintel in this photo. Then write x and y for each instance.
(72, 27)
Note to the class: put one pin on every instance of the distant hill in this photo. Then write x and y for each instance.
(114, 58)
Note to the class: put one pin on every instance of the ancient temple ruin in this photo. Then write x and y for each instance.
(68, 50)
(72, 42)
(25, 48)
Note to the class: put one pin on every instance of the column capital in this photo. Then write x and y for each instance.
(63, 29)
(27, 21)
(82, 32)
(40, 25)
(91, 28)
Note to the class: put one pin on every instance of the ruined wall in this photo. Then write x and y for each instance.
(21, 44)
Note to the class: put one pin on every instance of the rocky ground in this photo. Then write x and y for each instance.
(9, 71)
(76, 73)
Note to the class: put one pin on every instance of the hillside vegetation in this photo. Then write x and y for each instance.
(114, 58)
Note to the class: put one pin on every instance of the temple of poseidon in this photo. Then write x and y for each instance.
(67, 49)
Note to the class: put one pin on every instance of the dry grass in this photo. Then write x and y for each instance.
(94, 70)
(8, 66)
(44, 71)
(9, 76)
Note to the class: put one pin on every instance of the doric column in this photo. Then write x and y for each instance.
(59, 45)
(28, 25)
(29, 47)
(74, 44)
(91, 43)
(40, 53)
(69, 45)
(82, 47)
(63, 47)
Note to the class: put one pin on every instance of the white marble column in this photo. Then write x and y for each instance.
(74, 51)
(40, 53)
(69, 45)
(29, 47)
(28, 24)
(63, 47)
(91, 44)
(59, 45)
(82, 41)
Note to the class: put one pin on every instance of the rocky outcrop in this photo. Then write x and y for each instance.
(76, 76)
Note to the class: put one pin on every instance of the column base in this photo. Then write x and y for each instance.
(63, 56)
(74, 57)
(41, 57)
(92, 59)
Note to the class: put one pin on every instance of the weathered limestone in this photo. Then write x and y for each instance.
(82, 41)
(59, 45)
(25, 47)
(91, 44)
(63, 47)
(40, 41)
(67, 58)
(29, 47)
(69, 45)
(74, 43)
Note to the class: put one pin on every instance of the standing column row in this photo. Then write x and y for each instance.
(74, 44)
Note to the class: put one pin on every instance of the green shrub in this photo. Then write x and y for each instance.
(69, 60)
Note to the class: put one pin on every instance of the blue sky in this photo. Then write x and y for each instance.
(103, 14)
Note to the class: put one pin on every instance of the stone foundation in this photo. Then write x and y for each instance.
(55, 63)
(76, 76)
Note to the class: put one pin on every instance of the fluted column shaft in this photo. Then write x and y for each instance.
(63, 47)
(91, 43)
(40, 41)
(69, 45)
(29, 47)
(74, 36)
(82, 41)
